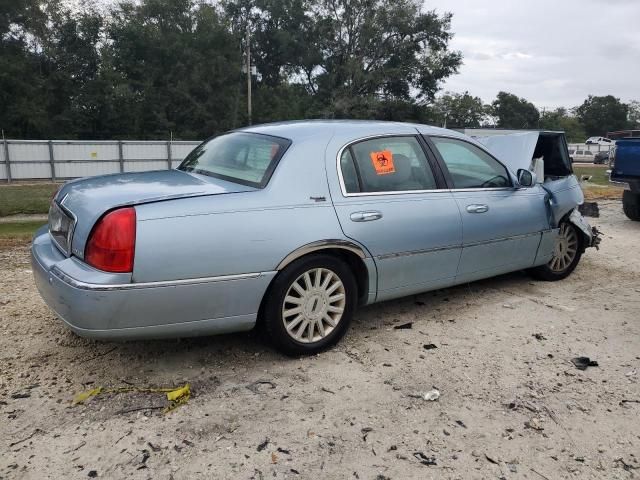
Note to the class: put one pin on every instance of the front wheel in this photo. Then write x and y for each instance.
(310, 305)
(566, 255)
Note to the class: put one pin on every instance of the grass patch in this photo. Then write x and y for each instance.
(26, 199)
(598, 174)
(598, 187)
(17, 233)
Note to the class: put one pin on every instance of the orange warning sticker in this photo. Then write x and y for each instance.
(383, 162)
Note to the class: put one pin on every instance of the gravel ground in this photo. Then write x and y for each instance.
(512, 404)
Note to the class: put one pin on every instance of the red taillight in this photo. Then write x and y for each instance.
(112, 242)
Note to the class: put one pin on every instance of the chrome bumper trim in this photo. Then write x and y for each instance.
(132, 286)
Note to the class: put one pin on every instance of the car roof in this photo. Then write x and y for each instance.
(299, 130)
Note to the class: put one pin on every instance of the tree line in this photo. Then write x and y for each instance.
(596, 116)
(152, 69)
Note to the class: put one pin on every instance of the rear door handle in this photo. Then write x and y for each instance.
(477, 208)
(365, 216)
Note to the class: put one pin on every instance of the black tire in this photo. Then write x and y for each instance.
(274, 307)
(631, 205)
(547, 272)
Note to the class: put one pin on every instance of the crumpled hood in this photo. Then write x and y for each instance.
(515, 150)
(89, 198)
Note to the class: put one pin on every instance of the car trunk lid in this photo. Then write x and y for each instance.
(80, 203)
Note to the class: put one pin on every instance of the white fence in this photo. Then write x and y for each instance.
(62, 159)
(590, 147)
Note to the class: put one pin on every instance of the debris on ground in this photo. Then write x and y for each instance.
(255, 386)
(589, 209)
(535, 424)
(425, 460)
(432, 395)
(492, 460)
(176, 396)
(404, 326)
(539, 336)
(429, 346)
(582, 363)
(263, 445)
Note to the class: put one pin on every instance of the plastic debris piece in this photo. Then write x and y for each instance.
(582, 363)
(432, 395)
(178, 397)
(404, 326)
(535, 424)
(263, 445)
(424, 460)
(84, 396)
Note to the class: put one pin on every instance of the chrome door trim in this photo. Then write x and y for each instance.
(321, 245)
(416, 252)
(504, 239)
(451, 247)
(133, 286)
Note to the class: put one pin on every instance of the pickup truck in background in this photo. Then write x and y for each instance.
(625, 170)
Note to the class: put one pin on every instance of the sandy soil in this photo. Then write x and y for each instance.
(512, 405)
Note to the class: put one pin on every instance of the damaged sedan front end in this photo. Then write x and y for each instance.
(545, 154)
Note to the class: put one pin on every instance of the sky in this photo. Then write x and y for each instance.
(551, 52)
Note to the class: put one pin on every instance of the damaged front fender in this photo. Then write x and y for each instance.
(591, 234)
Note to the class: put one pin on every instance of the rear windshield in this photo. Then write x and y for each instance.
(245, 158)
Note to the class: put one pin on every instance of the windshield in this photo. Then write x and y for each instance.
(245, 158)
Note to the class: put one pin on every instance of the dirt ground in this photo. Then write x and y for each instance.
(512, 404)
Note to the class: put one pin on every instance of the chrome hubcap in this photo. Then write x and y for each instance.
(565, 250)
(313, 305)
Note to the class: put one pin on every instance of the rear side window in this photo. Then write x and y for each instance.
(245, 158)
(469, 166)
(387, 164)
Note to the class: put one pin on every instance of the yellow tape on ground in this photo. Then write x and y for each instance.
(176, 396)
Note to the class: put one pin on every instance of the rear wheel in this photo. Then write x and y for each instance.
(310, 305)
(566, 255)
(631, 205)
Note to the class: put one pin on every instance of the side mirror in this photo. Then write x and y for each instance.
(526, 178)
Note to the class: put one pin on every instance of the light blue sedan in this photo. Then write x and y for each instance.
(296, 224)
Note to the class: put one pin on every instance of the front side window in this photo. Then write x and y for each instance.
(469, 166)
(386, 164)
(245, 158)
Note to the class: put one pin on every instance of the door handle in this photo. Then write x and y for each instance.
(365, 216)
(477, 208)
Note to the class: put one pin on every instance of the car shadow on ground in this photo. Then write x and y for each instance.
(251, 347)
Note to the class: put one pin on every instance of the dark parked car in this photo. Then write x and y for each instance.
(601, 158)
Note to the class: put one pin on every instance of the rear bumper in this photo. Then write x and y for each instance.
(100, 305)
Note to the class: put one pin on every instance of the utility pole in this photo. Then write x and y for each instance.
(248, 60)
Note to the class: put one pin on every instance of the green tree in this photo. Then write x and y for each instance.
(22, 79)
(177, 68)
(459, 110)
(634, 114)
(514, 112)
(600, 115)
(560, 119)
(380, 47)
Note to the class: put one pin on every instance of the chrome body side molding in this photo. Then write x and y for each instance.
(321, 245)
